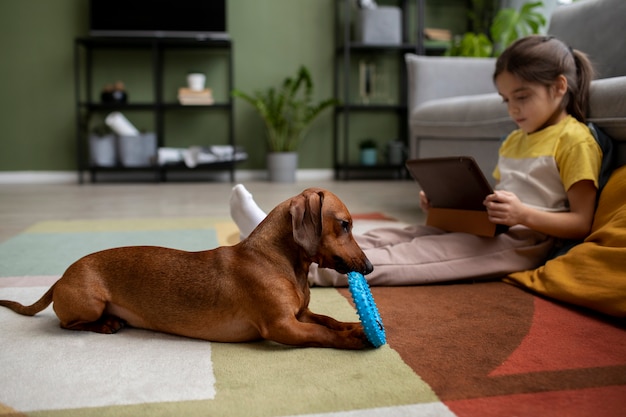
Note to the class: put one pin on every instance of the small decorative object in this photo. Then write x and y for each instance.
(196, 81)
(120, 124)
(380, 25)
(287, 111)
(369, 152)
(367, 80)
(366, 4)
(114, 93)
(106, 96)
(395, 152)
(366, 309)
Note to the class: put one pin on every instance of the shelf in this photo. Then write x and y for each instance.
(379, 171)
(152, 106)
(371, 107)
(349, 127)
(114, 106)
(430, 47)
(159, 173)
(141, 42)
(360, 47)
(216, 106)
(87, 103)
(200, 167)
(439, 47)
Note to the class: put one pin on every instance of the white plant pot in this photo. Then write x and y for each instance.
(103, 150)
(282, 166)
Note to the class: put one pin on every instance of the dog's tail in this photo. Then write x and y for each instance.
(31, 310)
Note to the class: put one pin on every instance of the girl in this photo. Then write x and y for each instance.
(547, 176)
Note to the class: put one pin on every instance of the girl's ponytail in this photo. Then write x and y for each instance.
(578, 104)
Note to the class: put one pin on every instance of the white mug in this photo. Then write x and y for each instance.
(195, 81)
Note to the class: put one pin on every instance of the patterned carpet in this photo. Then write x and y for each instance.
(481, 349)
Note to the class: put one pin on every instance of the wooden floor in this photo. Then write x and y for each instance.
(22, 205)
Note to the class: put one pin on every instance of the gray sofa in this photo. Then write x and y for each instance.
(454, 108)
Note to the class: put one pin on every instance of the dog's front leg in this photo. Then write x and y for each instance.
(308, 316)
(291, 331)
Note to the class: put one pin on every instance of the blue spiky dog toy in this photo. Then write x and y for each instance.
(366, 308)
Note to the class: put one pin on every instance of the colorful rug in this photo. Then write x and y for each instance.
(483, 349)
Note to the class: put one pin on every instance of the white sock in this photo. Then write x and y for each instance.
(244, 210)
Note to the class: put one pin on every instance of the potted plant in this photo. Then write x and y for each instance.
(508, 25)
(369, 152)
(287, 112)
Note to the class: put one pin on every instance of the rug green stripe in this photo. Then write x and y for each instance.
(266, 379)
(52, 253)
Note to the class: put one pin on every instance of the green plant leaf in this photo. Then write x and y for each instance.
(510, 25)
(288, 111)
(471, 44)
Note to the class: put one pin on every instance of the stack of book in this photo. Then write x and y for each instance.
(188, 97)
(433, 34)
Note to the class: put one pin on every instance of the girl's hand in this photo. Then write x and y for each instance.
(504, 207)
(424, 202)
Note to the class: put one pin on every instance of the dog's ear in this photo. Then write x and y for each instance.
(306, 218)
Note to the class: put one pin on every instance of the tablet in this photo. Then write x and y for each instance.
(451, 182)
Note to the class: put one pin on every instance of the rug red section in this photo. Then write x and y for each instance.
(603, 401)
(562, 339)
(489, 348)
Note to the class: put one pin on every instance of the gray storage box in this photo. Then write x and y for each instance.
(382, 26)
(103, 150)
(138, 151)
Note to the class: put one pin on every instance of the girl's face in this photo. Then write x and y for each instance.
(532, 106)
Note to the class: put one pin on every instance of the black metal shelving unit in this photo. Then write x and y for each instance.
(87, 105)
(346, 52)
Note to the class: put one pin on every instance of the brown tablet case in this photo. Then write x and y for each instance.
(456, 188)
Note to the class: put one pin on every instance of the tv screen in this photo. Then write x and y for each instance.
(202, 19)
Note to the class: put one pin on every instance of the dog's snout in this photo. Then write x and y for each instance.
(368, 267)
(344, 266)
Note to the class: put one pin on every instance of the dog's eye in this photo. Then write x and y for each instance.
(345, 225)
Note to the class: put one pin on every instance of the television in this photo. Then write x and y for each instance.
(199, 19)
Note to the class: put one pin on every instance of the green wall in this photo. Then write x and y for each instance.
(36, 87)
(271, 40)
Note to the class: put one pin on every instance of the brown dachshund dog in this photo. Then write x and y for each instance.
(256, 289)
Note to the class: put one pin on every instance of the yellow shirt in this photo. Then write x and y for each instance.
(540, 167)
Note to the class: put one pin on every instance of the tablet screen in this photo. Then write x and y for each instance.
(451, 182)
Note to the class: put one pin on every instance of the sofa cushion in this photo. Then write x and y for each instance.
(596, 28)
(436, 77)
(482, 116)
(591, 274)
(608, 106)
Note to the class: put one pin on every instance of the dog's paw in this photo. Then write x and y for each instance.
(113, 324)
(361, 340)
(108, 325)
